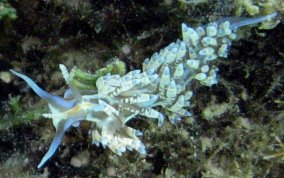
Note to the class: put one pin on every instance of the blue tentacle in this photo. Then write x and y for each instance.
(52, 99)
(62, 127)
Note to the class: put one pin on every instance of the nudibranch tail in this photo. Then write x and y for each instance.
(251, 21)
(52, 99)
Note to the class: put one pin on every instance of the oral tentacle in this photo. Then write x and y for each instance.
(52, 99)
(62, 127)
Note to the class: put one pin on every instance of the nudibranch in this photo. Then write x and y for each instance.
(167, 80)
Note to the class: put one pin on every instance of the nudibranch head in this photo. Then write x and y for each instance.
(105, 111)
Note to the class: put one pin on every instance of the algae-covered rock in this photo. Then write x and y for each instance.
(236, 127)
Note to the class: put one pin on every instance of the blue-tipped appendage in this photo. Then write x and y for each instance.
(51, 99)
(62, 127)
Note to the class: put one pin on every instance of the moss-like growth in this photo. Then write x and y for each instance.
(18, 115)
(7, 11)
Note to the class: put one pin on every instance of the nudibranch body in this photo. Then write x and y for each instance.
(166, 80)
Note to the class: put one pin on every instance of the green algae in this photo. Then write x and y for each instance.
(7, 11)
(18, 115)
